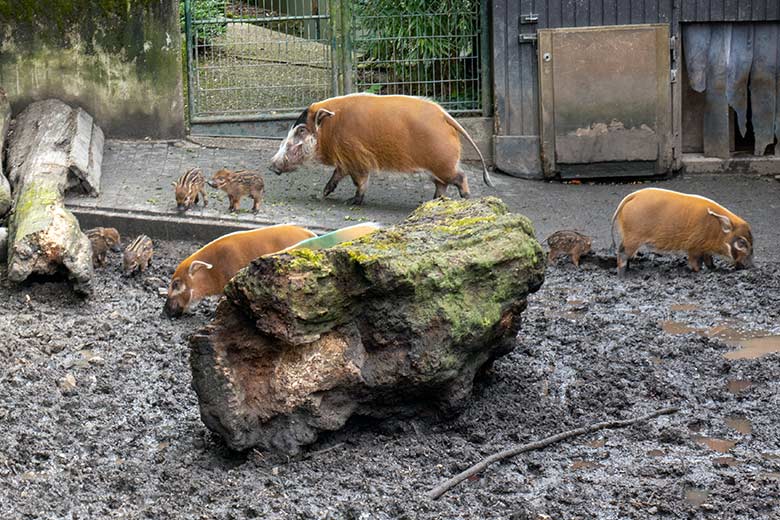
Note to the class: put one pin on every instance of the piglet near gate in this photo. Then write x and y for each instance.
(671, 221)
(364, 133)
(238, 185)
(189, 189)
(207, 270)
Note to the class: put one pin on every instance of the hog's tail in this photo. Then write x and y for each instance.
(462, 131)
(614, 217)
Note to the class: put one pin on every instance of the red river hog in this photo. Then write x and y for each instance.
(362, 133)
(671, 221)
(207, 270)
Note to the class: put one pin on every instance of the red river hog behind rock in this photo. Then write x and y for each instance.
(363, 133)
(671, 221)
(206, 271)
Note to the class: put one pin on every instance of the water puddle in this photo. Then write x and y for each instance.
(736, 386)
(751, 344)
(676, 327)
(696, 496)
(754, 348)
(740, 424)
(725, 461)
(684, 307)
(713, 443)
(584, 464)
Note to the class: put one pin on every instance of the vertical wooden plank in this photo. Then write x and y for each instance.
(665, 11)
(637, 11)
(610, 9)
(568, 12)
(731, 10)
(500, 72)
(651, 11)
(716, 113)
(623, 12)
(758, 13)
(677, 109)
(515, 70)
(772, 10)
(744, 10)
(539, 7)
(596, 12)
(703, 10)
(663, 107)
(717, 10)
(546, 108)
(529, 89)
(688, 10)
(554, 15)
(582, 13)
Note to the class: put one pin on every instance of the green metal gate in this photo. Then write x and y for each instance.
(253, 65)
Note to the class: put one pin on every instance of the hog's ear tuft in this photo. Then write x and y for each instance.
(197, 264)
(725, 222)
(322, 114)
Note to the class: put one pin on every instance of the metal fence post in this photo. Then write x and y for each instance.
(485, 53)
(346, 63)
(190, 73)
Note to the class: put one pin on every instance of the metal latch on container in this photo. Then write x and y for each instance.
(529, 18)
(527, 37)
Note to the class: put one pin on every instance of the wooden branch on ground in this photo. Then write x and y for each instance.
(457, 479)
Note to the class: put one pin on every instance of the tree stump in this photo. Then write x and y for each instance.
(5, 187)
(397, 322)
(46, 147)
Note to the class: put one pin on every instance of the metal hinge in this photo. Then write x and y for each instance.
(527, 37)
(529, 18)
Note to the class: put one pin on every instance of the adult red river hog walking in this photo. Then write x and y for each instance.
(363, 133)
(207, 270)
(671, 221)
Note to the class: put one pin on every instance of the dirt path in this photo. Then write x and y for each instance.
(127, 441)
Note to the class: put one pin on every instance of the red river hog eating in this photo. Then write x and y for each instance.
(207, 270)
(362, 133)
(671, 221)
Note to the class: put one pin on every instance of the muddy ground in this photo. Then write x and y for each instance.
(98, 420)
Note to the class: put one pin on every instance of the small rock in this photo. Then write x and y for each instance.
(67, 384)
(653, 510)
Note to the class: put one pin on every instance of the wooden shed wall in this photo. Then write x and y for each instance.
(515, 77)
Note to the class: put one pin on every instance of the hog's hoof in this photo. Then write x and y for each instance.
(354, 201)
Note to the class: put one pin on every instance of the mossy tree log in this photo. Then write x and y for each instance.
(5, 188)
(397, 322)
(46, 146)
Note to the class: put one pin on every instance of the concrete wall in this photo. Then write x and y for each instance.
(118, 59)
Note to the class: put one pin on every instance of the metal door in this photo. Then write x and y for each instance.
(605, 100)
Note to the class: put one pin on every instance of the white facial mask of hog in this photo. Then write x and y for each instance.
(362, 133)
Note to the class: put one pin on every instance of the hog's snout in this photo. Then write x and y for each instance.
(275, 169)
(172, 309)
(180, 207)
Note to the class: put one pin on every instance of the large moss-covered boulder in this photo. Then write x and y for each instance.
(397, 322)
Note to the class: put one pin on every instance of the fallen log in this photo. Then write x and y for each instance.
(398, 322)
(5, 187)
(45, 149)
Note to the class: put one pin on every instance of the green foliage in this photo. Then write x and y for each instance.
(431, 46)
(205, 10)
